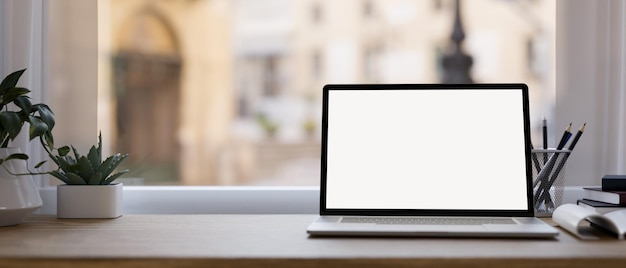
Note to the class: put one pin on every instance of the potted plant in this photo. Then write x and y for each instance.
(19, 197)
(89, 191)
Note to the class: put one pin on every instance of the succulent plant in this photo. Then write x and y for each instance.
(87, 169)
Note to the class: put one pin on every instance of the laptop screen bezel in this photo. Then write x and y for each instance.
(523, 88)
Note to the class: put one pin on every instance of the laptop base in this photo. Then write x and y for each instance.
(526, 227)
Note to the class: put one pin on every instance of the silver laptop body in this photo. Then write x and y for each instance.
(427, 160)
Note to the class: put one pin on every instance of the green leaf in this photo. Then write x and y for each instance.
(113, 177)
(85, 169)
(74, 179)
(94, 158)
(50, 139)
(10, 81)
(60, 176)
(110, 164)
(95, 179)
(47, 116)
(37, 127)
(71, 161)
(17, 156)
(76, 154)
(40, 164)
(63, 151)
(105, 167)
(11, 123)
(13, 93)
(100, 146)
(24, 103)
(62, 162)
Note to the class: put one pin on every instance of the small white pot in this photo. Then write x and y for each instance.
(19, 197)
(89, 201)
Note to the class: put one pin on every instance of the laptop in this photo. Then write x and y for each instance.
(427, 160)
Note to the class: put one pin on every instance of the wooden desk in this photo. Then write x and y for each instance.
(271, 241)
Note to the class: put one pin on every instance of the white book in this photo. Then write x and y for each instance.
(574, 218)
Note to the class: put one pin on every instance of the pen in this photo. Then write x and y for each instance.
(545, 138)
(545, 133)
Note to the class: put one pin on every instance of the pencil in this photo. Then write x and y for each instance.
(566, 135)
(578, 134)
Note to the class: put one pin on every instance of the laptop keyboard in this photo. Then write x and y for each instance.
(427, 220)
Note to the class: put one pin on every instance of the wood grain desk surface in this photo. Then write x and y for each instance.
(271, 241)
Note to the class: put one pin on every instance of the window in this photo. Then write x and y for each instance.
(228, 92)
(71, 57)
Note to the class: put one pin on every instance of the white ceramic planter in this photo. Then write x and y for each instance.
(19, 196)
(89, 201)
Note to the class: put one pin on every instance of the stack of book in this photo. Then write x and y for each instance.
(603, 208)
(610, 197)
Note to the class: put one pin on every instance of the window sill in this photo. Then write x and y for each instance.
(227, 199)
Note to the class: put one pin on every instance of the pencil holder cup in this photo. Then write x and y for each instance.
(548, 179)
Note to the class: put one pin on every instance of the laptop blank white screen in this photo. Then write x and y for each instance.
(426, 149)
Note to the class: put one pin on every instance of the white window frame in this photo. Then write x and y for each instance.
(593, 32)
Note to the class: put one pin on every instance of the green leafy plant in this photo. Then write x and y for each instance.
(16, 109)
(12, 118)
(88, 169)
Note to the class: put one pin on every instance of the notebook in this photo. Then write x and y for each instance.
(427, 160)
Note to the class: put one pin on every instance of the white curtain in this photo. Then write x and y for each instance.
(22, 45)
(591, 85)
(56, 41)
(22, 42)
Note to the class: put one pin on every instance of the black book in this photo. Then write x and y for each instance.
(599, 207)
(614, 183)
(611, 197)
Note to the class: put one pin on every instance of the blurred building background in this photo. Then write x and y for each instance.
(228, 92)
